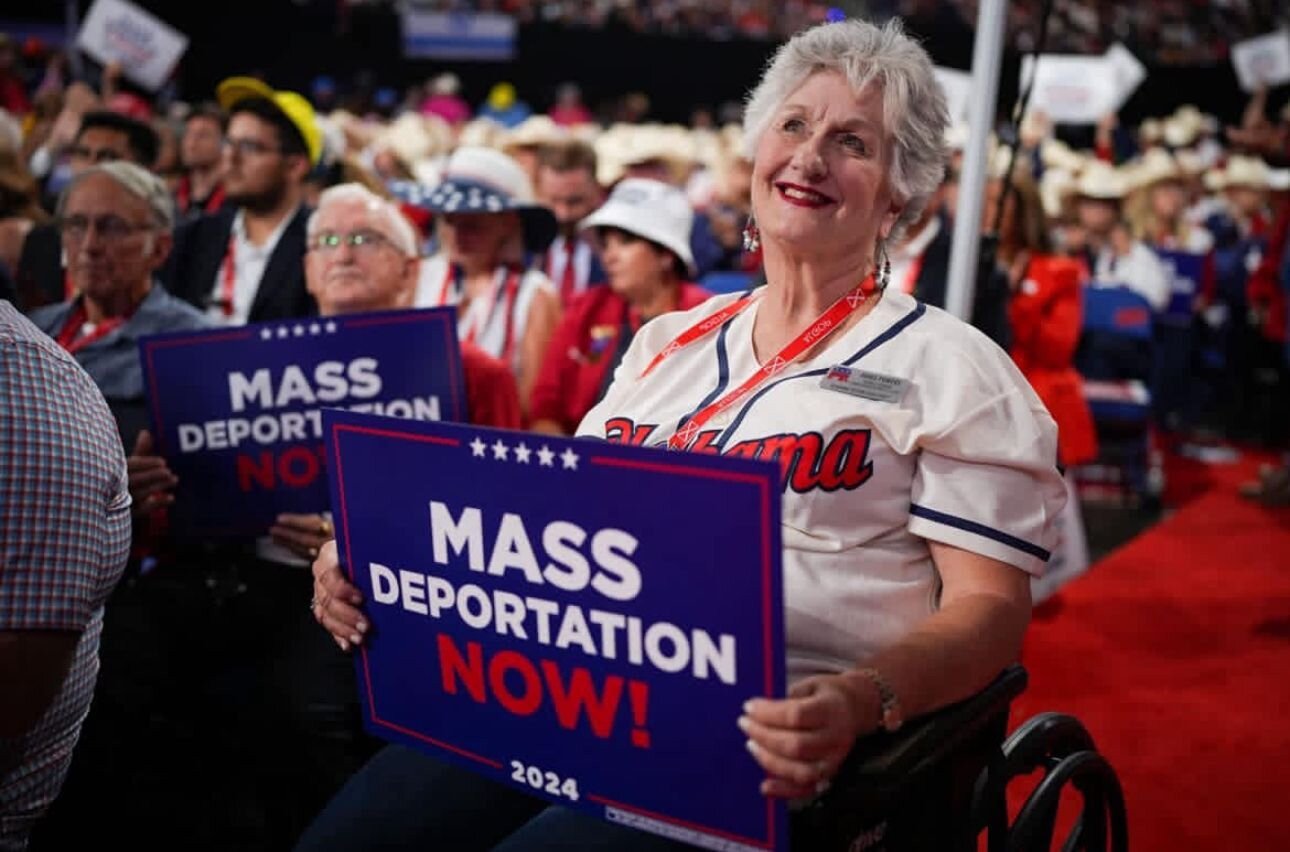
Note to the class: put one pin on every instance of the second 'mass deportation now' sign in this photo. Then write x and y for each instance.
(579, 619)
(237, 413)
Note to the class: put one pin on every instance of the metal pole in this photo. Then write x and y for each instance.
(987, 55)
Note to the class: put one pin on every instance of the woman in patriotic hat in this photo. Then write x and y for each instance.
(644, 236)
(920, 486)
(488, 227)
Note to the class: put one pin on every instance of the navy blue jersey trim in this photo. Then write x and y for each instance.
(723, 375)
(895, 329)
(980, 529)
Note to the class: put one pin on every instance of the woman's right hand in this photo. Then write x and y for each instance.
(335, 604)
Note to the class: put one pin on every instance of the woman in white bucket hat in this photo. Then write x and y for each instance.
(644, 235)
(488, 224)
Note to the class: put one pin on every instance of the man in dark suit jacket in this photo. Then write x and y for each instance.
(102, 137)
(246, 262)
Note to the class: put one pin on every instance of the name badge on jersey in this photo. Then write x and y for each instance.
(864, 384)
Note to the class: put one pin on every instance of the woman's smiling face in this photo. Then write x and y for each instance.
(820, 180)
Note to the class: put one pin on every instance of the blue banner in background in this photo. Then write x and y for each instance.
(480, 36)
(578, 619)
(237, 412)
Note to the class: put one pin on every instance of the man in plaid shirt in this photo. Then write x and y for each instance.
(64, 538)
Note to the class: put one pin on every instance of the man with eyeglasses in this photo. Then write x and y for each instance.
(244, 263)
(115, 221)
(103, 137)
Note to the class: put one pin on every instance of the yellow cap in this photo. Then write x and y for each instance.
(297, 110)
(501, 96)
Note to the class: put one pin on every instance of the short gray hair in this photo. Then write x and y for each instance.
(137, 181)
(398, 228)
(914, 113)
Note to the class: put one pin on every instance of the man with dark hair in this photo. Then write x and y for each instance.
(106, 135)
(245, 263)
(201, 188)
(566, 183)
(102, 137)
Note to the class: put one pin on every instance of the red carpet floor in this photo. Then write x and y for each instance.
(1175, 652)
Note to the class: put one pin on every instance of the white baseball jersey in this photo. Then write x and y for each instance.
(492, 320)
(910, 426)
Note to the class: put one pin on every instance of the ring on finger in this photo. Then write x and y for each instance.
(324, 528)
(313, 553)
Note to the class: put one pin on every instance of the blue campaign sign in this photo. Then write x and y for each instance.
(237, 412)
(1185, 270)
(579, 619)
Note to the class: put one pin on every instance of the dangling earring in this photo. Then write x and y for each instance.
(752, 236)
(882, 266)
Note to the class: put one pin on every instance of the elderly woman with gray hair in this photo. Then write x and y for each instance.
(920, 486)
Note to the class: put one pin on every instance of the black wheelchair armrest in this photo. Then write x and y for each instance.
(888, 761)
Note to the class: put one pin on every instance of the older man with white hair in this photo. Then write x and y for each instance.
(362, 256)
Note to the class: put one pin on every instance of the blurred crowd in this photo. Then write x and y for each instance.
(1164, 32)
(719, 19)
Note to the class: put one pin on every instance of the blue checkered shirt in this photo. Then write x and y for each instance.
(64, 538)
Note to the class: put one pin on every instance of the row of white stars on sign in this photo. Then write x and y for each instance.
(282, 332)
(523, 452)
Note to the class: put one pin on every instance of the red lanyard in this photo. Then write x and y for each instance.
(71, 339)
(505, 294)
(818, 331)
(911, 275)
(569, 276)
(228, 277)
(184, 197)
(449, 279)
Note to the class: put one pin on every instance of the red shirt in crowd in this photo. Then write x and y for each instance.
(586, 345)
(492, 397)
(1046, 316)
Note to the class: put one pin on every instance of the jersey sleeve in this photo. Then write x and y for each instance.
(986, 479)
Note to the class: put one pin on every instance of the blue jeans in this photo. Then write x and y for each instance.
(403, 800)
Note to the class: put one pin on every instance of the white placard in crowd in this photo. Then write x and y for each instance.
(1263, 61)
(1127, 70)
(145, 47)
(958, 92)
(1071, 89)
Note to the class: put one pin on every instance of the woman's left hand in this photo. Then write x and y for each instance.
(802, 740)
(303, 535)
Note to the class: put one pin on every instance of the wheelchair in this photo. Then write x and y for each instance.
(940, 784)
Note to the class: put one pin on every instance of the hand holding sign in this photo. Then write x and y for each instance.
(150, 478)
(236, 412)
(541, 608)
(336, 601)
(802, 740)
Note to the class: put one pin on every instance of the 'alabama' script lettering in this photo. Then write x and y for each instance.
(808, 460)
